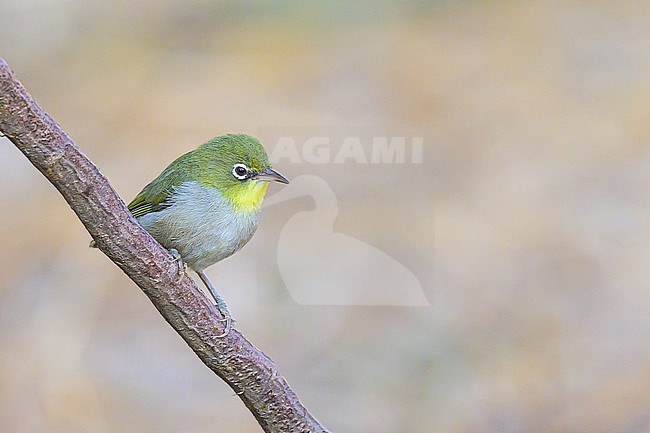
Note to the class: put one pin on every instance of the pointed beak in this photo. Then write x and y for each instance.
(270, 175)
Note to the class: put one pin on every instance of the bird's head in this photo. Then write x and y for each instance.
(238, 167)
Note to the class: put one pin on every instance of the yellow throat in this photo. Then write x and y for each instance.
(247, 197)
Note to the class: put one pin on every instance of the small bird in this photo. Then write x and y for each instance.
(205, 206)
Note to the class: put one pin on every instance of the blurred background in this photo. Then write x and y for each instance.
(525, 227)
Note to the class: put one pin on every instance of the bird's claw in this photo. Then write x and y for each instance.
(223, 310)
(220, 304)
(182, 266)
(227, 328)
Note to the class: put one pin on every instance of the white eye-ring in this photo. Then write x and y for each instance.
(240, 171)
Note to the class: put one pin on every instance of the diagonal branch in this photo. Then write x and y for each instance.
(250, 373)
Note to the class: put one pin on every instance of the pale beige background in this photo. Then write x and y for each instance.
(527, 225)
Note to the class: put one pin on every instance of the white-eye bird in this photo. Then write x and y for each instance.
(205, 206)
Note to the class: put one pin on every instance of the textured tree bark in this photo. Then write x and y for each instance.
(250, 373)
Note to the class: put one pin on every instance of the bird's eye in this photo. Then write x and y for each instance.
(240, 171)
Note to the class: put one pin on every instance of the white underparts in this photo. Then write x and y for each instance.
(201, 225)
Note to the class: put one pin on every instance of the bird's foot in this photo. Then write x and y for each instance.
(223, 310)
(221, 305)
(228, 326)
(182, 266)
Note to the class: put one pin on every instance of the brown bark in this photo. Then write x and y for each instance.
(250, 373)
